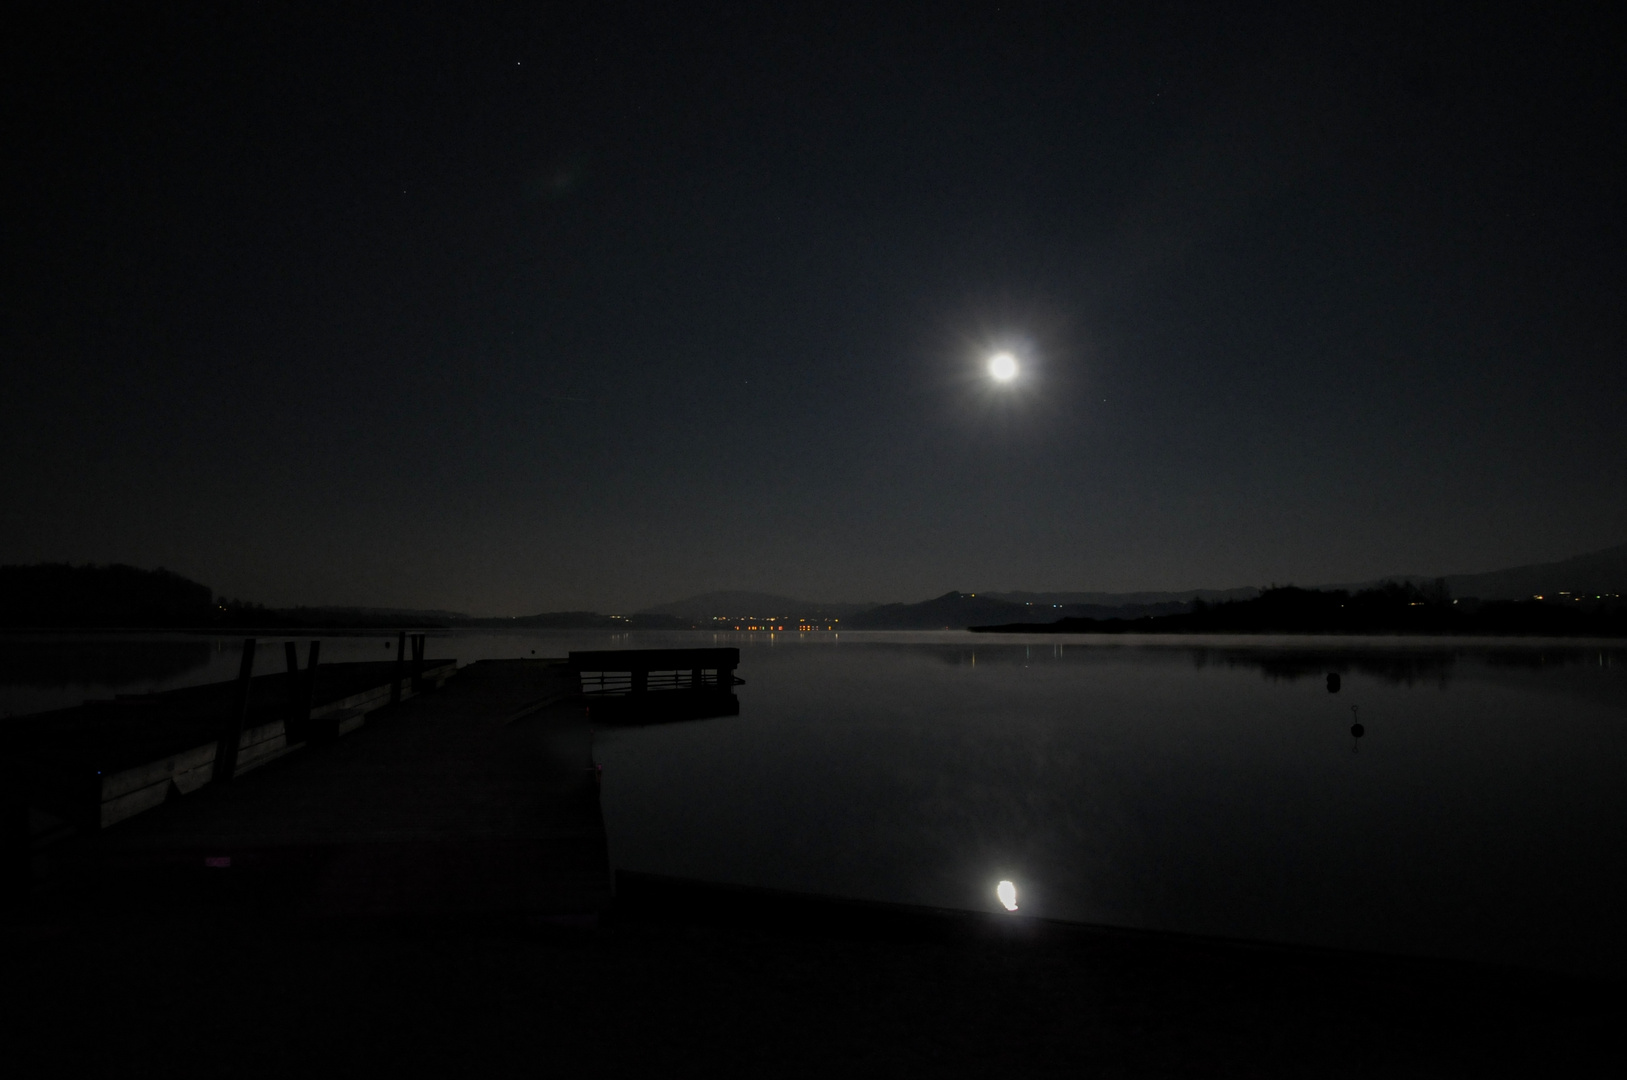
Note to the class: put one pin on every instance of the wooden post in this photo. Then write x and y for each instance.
(641, 680)
(418, 663)
(400, 667)
(308, 700)
(231, 727)
(290, 653)
(695, 678)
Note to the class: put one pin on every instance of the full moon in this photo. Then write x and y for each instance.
(1002, 367)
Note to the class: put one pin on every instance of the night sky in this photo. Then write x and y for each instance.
(526, 308)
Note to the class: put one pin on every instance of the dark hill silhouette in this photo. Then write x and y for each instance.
(1117, 601)
(1594, 574)
(60, 595)
(951, 611)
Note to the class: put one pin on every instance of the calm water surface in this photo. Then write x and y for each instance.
(1209, 786)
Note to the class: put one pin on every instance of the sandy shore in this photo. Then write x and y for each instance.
(676, 978)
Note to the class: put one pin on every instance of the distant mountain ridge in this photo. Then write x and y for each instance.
(1597, 573)
(741, 604)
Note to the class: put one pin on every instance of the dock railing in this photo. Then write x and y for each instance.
(633, 672)
(101, 762)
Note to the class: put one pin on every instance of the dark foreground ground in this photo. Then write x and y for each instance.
(312, 954)
(679, 980)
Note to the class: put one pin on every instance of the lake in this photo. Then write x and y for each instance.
(1204, 785)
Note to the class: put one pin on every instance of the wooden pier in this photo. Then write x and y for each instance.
(99, 763)
(481, 798)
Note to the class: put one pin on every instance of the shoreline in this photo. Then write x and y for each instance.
(926, 635)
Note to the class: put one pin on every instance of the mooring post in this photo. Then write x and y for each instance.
(231, 728)
(400, 667)
(418, 663)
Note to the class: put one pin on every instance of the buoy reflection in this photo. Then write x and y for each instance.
(1007, 892)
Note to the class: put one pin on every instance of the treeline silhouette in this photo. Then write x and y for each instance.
(1393, 608)
(61, 596)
